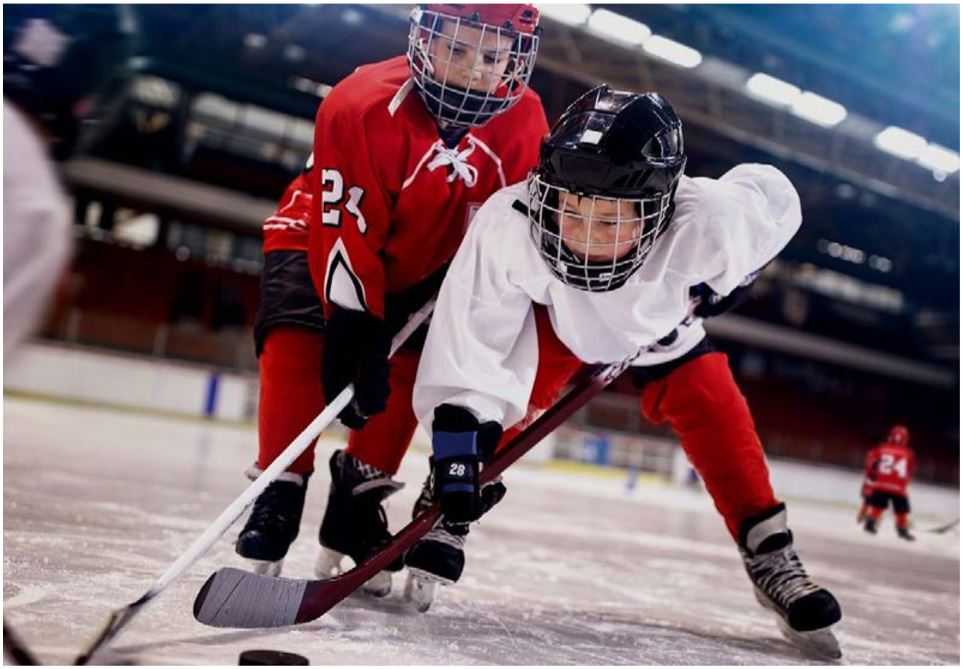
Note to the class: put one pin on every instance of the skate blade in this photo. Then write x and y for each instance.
(821, 642)
(421, 589)
(378, 585)
(818, 642)
(265, 567)
(328, 566)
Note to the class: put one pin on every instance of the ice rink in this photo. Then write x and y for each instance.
(569, 569)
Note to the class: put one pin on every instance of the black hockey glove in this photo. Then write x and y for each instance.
(712, 304)
(461, 446)
(356, 346)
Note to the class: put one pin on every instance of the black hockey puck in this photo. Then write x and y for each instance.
(271, 658)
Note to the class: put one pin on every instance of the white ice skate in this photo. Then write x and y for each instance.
(329, 563)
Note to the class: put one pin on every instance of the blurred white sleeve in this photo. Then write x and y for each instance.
(36, 228)
(752, 212)
(482, 350)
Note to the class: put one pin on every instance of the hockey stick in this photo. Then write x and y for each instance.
(943, 529)
(119, 618)
(241, 599)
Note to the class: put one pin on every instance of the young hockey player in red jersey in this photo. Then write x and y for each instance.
(595, 258)
(889, 468)
(405, 151)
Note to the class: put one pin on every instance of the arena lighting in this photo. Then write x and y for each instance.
(772, 90)
(618, 28)
(573, 15)
(255, 41)
(901, 143)
(311, 86)
(672, 51)
(939, 159)
(819, 110)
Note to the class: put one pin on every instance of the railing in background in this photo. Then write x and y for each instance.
(230, 348)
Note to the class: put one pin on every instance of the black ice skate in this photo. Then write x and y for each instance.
(806, 611)
(438, 558)
(904, 533)
(870, 525)
(355, 524)
(273, 524)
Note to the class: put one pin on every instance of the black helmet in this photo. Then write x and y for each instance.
(608, 145)
(60, 62)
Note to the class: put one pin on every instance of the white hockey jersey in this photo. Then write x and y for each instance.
(481, 352)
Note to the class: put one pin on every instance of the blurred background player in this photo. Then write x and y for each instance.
(610, 237)
(60, 64)
(889, 469)
(405, 151)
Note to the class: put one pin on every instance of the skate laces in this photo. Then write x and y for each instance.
(780, 575)
(269, 508)
(451, 534)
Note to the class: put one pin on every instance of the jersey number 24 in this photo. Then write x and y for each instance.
(889, 464)
(332, 196)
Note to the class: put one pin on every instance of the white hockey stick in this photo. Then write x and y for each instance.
(119, 618)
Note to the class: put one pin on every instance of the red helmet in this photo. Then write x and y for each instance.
(472, 27)
(898, 435)
(516, 18)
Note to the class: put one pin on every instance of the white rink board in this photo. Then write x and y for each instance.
(570, 569)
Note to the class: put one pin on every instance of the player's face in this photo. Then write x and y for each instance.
(599, 229)
(469, 57)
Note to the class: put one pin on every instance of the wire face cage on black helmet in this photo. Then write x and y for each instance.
(472, 62)
(598, 243)
(603, 191)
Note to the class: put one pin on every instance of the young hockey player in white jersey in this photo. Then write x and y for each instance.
(596, 257)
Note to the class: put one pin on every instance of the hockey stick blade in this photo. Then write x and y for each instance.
(943, 529)
(240, 599)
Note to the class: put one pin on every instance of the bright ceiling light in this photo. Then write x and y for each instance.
(939, 159)
(666, 49)
(617, 27)
(818, 110)
(901, 143)
(573, 15)
(255, 41)
(772, 90)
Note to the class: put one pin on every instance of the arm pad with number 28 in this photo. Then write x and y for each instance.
(461, 445)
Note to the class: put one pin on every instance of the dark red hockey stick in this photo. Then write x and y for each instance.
(241, 599)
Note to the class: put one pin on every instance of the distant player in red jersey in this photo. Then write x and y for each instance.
(405, 151)
(889, 468)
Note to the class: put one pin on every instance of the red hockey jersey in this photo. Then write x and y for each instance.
(390, 202)
(889, 468)
(287, 228)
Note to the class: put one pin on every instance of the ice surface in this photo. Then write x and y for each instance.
(569, 569)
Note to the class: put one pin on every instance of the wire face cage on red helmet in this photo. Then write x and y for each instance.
(472, 62)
